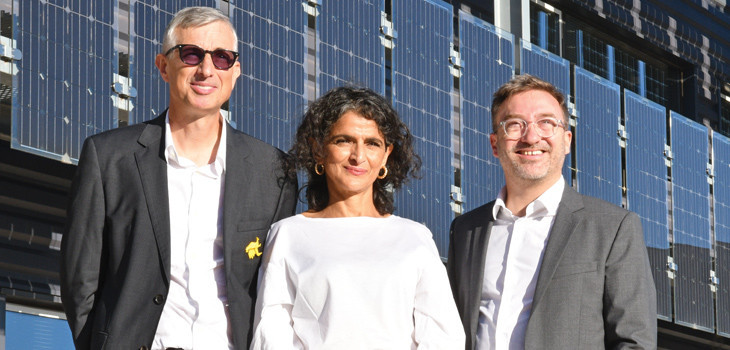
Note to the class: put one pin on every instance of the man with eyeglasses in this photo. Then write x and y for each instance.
(166, 218)
(542, 266)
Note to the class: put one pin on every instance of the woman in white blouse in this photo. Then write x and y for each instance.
(347, 273)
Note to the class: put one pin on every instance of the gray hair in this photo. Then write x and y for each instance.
(193, 17)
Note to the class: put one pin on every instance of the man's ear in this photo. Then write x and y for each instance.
(161, 63)
(493, 141)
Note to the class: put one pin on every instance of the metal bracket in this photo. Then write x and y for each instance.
(455, 61)
(710, 170)
(457, 199)
(714, 281)
(623, 135)
(310, 7)
(668, 156)
(8, 56)
(671, 268)
(387, 33)
(124, 90)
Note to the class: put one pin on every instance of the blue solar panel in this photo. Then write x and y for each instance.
(646, 186)
(693, 300)
(422, 85)
(349, 45)
(488, 55)
(553, 69)
(598, 153)
(721, 164)
(149, 27)
(269, 96)
(59, 102)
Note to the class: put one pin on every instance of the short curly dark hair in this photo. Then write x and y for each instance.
(403, 162)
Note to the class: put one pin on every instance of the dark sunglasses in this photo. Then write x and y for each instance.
(192, 55)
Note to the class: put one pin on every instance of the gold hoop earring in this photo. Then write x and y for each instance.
(319, 169)
(383, 172)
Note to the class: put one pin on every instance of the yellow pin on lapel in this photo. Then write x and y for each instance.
(252, 249)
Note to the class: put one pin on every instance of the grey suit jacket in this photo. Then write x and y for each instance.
(115, 253)
(594, 288)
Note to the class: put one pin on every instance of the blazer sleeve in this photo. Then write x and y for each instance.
(629, 301)
(81, 247)
(288, 194)
(287, 200)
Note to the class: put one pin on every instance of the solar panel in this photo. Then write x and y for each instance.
(597, 148)
(422, 86)
(721, 166)
(693, 300)
(269, 97)
(146, 38)
(488, 55)
(59, 102)
(646, 186)
(349, 47)
(552, 68)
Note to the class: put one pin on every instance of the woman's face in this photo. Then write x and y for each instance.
(355, 151)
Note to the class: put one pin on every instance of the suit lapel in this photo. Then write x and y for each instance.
(563, 228)
(153, 174)
(239, 172)
(478, 254)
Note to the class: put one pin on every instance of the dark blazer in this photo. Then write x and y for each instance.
(594, 288)
(115, 253)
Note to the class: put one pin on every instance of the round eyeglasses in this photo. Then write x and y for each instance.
(192, 55)
(516, 128)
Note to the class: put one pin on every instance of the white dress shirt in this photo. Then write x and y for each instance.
(195, 313)
(514, 254)
(354, 283)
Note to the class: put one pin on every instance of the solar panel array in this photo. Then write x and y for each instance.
(488, 55)
(58, 102)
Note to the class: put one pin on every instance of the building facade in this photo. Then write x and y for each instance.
(649, 95)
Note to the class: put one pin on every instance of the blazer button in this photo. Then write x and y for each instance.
(158, 299)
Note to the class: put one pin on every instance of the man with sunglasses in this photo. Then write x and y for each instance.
(542, 266)
(167, 217)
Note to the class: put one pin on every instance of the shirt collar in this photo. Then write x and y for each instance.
(172, 157)
(544, 205)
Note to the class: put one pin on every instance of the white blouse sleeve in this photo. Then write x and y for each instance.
(437, 322)
(276, 291)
